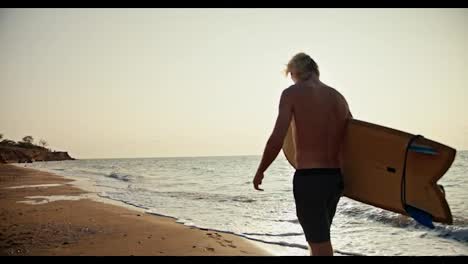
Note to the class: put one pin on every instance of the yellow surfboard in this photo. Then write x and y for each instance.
(392, 169)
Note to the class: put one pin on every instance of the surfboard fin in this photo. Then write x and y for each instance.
(420, 216)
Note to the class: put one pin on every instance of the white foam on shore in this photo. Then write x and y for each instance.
(52, 198)
(89, 186)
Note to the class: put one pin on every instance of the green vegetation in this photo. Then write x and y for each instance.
(27, 142)
(28, 139)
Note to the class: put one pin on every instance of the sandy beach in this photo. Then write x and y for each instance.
(44, 214)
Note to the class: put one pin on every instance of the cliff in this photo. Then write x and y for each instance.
(18, 154)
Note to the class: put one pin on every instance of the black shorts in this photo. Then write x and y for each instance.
(317, 193)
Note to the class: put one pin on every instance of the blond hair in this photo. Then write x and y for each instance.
(302, 65)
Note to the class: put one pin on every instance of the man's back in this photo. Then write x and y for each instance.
(320, 114)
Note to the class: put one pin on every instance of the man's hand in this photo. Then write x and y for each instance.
(258, 180)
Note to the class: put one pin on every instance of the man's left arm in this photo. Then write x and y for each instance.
(275, 142)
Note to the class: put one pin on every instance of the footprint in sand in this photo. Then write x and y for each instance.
(222, 242)
(229, 243)
(218, 239)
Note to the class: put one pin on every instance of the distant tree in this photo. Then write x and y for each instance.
(1, 136)
(7, 142)
(28, 139)
(43, 143)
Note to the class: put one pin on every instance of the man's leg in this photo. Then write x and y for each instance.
(325, 248)
(321, 249)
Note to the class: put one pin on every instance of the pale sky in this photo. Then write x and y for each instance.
(122, 83)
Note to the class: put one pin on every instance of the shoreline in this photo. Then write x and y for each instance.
(271, 249)
(49, 214)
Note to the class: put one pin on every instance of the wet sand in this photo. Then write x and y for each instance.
(44, 214)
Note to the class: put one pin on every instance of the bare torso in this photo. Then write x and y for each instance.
(320, 114)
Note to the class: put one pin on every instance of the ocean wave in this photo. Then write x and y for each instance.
(119, 176)
(294, 245)
(107, 196)
(457, 232)
(202, 169)
(163, 215)
(242, 199)
(195, 196)
(89, 172)
(362, 211)
(274, 235)
(294, 221)
(459, 221)
(215, 198)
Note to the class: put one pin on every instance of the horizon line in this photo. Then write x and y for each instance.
(203, 156)
(163, 157)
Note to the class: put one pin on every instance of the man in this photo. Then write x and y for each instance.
(320, 114)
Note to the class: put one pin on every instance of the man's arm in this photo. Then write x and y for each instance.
(275, 142)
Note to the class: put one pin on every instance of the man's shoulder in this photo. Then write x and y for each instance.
(291, 89)
(335, 92)
(339, 98)
(288, 91)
